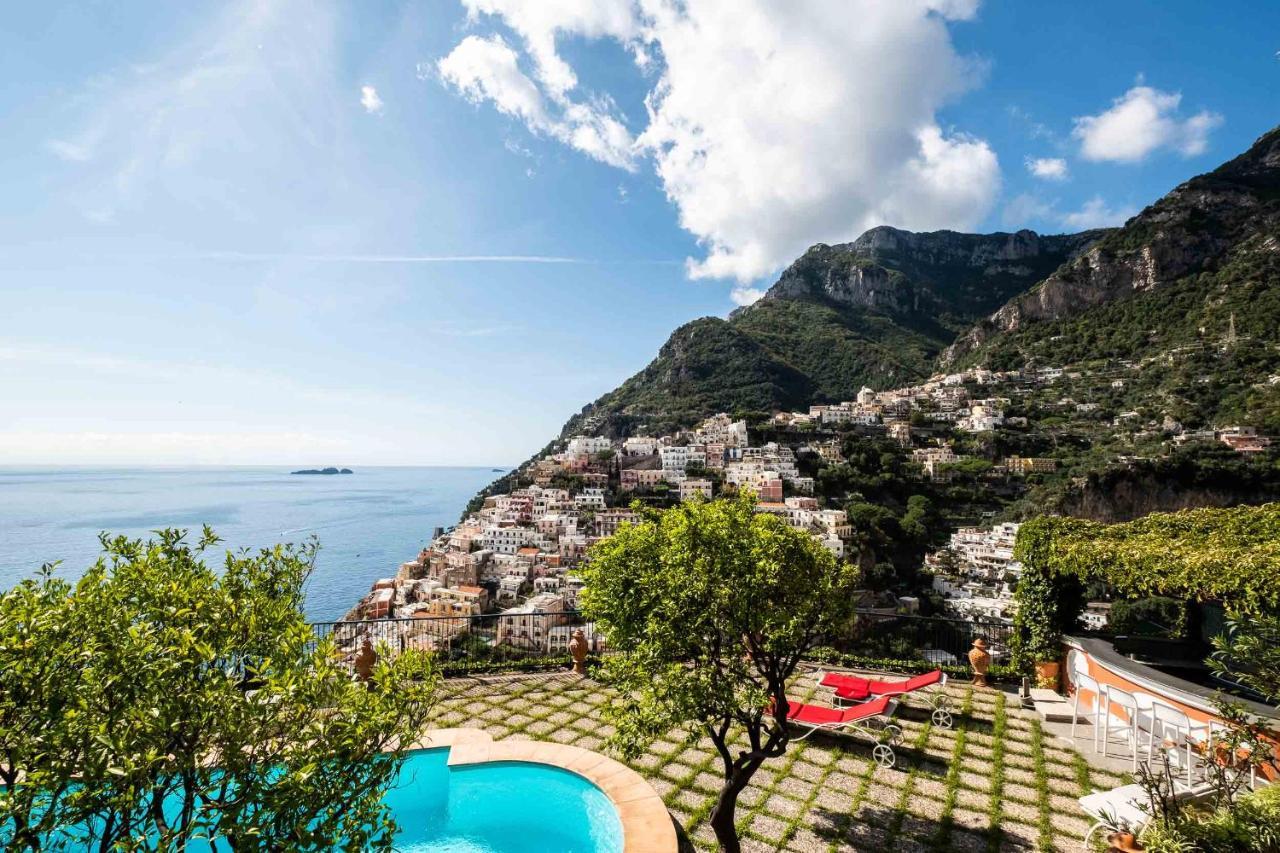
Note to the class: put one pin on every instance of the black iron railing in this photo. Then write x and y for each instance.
(506, 637)
(939, 640)
(471, 639)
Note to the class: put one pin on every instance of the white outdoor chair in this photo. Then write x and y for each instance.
(1146, 722)
(1128, 728)
(1180, 733)
(1093, 710)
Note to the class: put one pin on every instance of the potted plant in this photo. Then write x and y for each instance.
(1120, 835)
(1037, 639)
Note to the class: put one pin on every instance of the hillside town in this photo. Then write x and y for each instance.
(516, 554)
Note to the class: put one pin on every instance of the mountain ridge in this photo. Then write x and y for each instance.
(875, 311)
(1190, 229)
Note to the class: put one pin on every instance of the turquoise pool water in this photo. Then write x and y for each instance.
(499, 807)
(496, 807)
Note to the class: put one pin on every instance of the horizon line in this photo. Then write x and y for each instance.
(294, 465)
(381, 259)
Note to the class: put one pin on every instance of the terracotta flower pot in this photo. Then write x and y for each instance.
(1126, 841)
(1047, 674)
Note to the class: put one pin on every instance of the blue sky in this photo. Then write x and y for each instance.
(281, 231)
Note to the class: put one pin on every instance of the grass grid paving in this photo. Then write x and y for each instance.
(996, 782)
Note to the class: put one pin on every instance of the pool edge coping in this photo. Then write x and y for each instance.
(647, 826)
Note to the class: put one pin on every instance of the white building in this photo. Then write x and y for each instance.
(674, 459)
(978, 577)
(529, 625)
(982, 418)
(559, 637)
(590, 499)
(505, 540)
(588, 445)
(639, 446)
(509, 587)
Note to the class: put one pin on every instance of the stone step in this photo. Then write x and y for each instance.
(1044, 694)
(1055, 711)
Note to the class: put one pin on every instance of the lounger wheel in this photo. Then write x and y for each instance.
(883, 754)
(942, 718)
(893, 733)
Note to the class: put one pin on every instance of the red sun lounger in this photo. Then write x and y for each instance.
(850, 688)
(870, 719)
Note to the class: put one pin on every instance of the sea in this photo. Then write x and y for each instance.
(367, 522)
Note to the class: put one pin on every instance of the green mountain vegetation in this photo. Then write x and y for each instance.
(1187, 289)
(706, 366)
(873, 312)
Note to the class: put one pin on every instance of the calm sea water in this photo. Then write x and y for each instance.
(367, 522)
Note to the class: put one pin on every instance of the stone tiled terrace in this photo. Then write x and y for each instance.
(996, 781)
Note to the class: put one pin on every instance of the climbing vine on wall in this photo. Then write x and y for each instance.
(1230, 555)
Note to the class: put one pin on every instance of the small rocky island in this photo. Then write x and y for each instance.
(324, 471)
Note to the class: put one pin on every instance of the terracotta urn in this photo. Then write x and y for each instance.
(980, 660)
(578, 650)
(366, 657)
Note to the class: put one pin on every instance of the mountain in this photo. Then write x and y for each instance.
(1191, 272)
(1189, 286)
(1207, 225)
(1169, 326)
(874, 312)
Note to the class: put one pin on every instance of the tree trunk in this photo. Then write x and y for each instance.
(723, 815)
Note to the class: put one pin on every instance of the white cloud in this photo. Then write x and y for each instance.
(772, 124)
(1096, 214)
(370, 100)
(745, 295)
(488, 69)
(1048, 168)
(1140, 121)
(516, 148)
(539, 23)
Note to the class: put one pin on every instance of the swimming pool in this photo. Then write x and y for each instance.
(499, 807)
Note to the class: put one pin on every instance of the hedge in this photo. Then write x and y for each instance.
(452, 669)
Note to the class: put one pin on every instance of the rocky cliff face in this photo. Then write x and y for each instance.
(941, 273)
(1196, 227)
